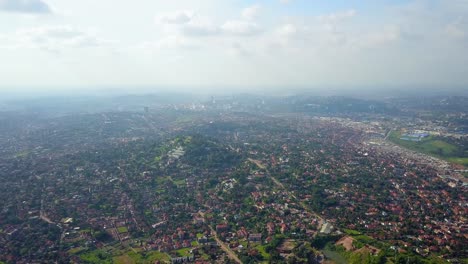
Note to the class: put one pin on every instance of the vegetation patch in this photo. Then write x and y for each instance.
(75, 251)
(462, 161)
(352, 232)
(141, 257)
(433, 146)
(122, 229)
(183, 252)
(97, 256)
(179, 183)
(261, 250)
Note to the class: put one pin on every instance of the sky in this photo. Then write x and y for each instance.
(60, 44)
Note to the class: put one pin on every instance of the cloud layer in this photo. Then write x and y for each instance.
(285, 43)
(25, 6)
(54, 39)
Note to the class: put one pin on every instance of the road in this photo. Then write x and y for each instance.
(261, 166)
(225, 248)
(280, 185)
(42, 214)
(388, 134)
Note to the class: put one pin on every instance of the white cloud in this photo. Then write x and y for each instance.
(56, 38)
(241, 28)
(198, 28)
(5, 42)
(287, 30)
(189, 24)
(177, 17)
(376, 39)
(457, 29)
(171, 42)
(25, 6)
(251, 12)
(238, 49)
(175, 42)
(330, 27)
(337, 17)
(454, 31)
(333, 33)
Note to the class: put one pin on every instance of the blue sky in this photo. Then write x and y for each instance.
(235, 43)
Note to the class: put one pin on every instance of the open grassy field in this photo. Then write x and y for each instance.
(96, 256)
(183, 252)
(463, 161)
(124, 256)
(122, 229)
(431, 146)
(261, 250)
(132, 257)
(334, 256)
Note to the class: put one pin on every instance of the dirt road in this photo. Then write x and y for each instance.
(225, 248)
